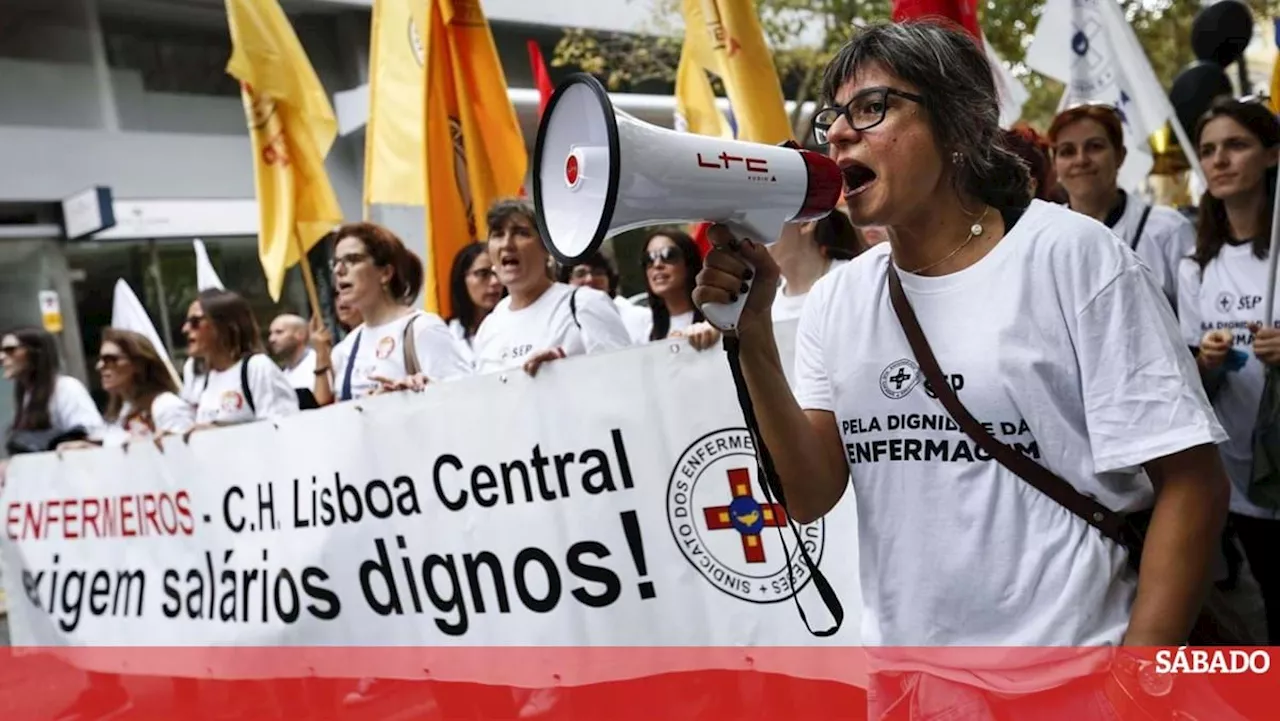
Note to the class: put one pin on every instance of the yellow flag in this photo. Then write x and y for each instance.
(475, 152)
(724, 37)
(292, 127)
(393, 168)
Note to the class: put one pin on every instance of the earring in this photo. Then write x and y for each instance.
(957, 158)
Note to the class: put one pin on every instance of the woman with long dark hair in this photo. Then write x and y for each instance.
(1053, 337)
(805, 253)
(396, 347)
(1221, 293)
(242, 384)
(48, 403)
(671, 264)
(474, 291)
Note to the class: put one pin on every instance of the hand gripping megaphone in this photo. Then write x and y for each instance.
(598, 171)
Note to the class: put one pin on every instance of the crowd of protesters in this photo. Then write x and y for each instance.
(1114, 318)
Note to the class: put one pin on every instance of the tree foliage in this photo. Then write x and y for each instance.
(649, 60)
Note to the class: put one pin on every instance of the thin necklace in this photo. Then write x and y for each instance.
(974, 231)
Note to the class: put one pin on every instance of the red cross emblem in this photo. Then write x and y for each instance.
(746, 515)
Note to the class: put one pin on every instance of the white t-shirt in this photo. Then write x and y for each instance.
(637, 319)
(1061, 340)
(303, 375)
(192, 382)
(462, 343)
(223, 400)
(169, 414)
(788, 307)
(1230, 296)
(1167, 238)
(381, 353)
(507, 336)
(71, 406)
(679, 321)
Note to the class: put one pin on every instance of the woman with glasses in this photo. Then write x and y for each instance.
(1221, 302)
(241, 383)
(540, 320)
(52, 408)
(1054, 337)
(474, 291)
(397, 347)
(143, 400)
(1088, 150)
(671, 264)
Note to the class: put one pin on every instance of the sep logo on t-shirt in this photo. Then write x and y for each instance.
(899, 378)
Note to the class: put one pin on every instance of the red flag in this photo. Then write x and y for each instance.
(541, 77)
(961, 12)
(699, 233)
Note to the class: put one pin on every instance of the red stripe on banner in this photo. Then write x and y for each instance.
(684, 683)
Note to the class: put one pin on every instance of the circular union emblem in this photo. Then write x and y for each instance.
(385, 346)
(899, 378)
(727, 530)
(231, 401)
(1226, 302)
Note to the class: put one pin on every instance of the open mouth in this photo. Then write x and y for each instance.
(509, 261)
(344, 286)
(856, 177)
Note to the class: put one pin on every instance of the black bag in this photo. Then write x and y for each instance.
(40, 441)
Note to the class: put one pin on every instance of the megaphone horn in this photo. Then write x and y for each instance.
(598, 171)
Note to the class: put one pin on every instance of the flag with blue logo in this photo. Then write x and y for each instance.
(1089, 46)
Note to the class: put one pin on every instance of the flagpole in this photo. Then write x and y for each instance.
(1187, 149)
(1269, 305)
(307, 278)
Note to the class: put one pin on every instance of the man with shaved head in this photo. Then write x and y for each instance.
(289, 340)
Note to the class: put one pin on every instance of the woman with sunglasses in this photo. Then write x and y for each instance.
(396, 347)
(671, 265)
(143, 399)
(1221, 297)
(540, 320)
(1087, 142)
(1047, 329)
(241, 383)
(49, 403)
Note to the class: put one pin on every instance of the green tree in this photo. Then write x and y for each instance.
(627, 62)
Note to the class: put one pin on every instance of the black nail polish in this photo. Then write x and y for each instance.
(748, 274)
(744, 288)
(733, 297)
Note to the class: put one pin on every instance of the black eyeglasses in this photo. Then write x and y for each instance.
(667, 254)
(866, 110)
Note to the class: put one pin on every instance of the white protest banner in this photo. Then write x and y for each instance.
(612, 501)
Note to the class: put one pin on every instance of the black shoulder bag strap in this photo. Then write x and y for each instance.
(773, 487)
(244, 383)
(1110, 523)
(573, 307)
(1142, 223)
(345, 394)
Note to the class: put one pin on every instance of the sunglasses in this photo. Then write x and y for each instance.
(110, 359)
(10, 349)
(668, 254)
(193, 321)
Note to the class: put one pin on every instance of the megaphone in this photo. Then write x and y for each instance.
(598, 171)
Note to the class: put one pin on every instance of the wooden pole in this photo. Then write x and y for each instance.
(308, 279)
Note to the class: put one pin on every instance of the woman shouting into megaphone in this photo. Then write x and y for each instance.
(1045, 330)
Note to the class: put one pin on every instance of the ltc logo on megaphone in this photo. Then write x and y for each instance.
(598, 171)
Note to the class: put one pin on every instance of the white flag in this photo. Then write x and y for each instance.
(1090, 47)
(1013, 94)
(127, 313)
(206, 276)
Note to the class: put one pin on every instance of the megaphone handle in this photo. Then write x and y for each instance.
(725, 316)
